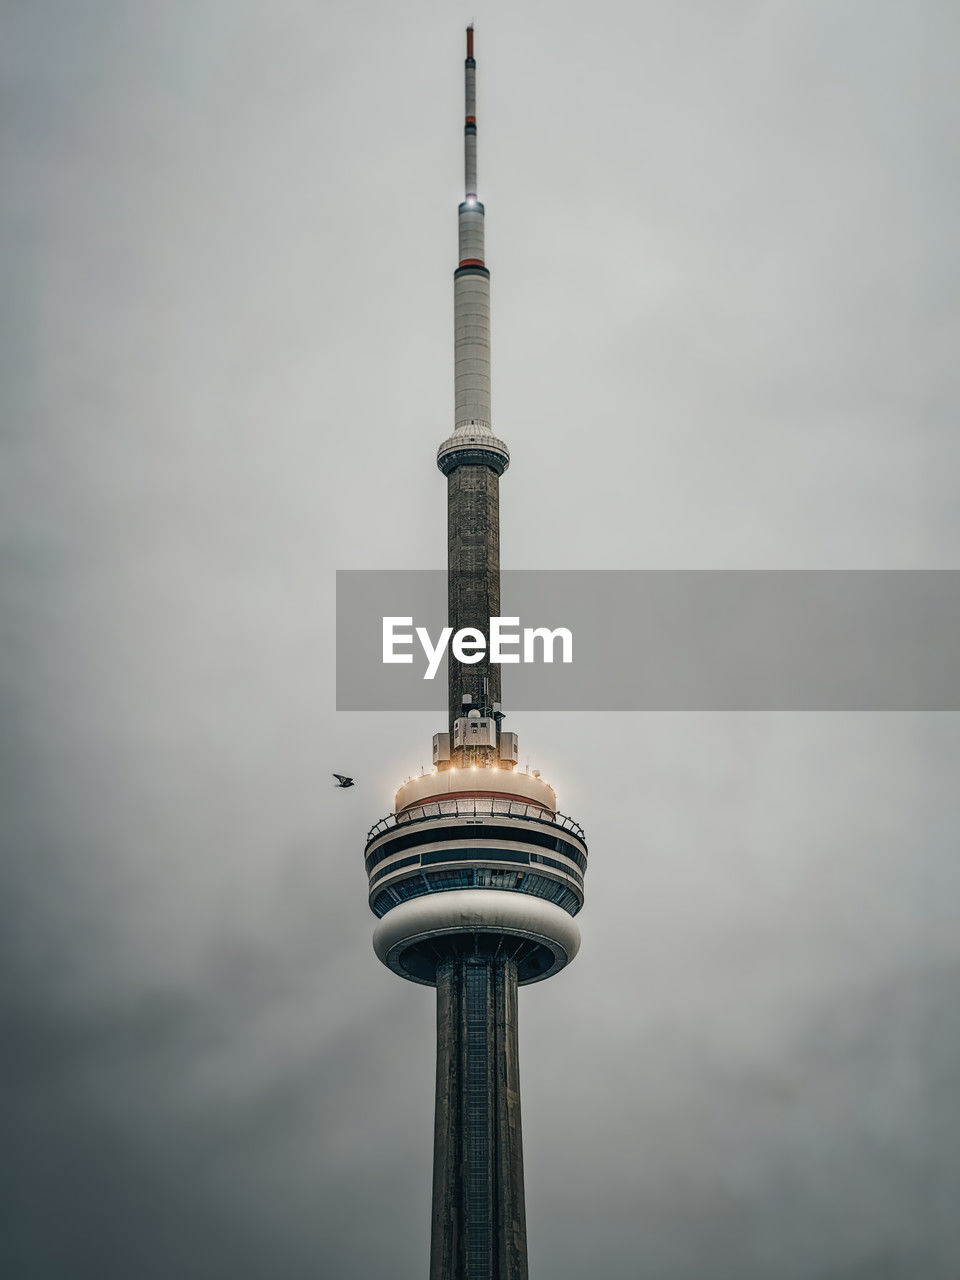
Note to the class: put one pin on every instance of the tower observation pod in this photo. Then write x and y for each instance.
(475, 876)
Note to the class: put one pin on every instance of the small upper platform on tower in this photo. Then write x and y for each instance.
(473, 447)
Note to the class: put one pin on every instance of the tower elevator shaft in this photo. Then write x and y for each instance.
(473, 582)
(479, 1223)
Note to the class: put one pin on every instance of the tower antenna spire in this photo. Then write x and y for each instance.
(470, 121)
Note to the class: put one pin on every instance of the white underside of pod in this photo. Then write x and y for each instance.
(496, 911)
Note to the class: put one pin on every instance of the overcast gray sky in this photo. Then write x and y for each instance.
(725, 260)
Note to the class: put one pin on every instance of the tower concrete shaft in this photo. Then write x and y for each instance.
(479, 1221)
(473, 585)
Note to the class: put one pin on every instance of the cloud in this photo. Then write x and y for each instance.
(722, 250)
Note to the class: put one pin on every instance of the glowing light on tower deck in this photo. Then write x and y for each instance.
(476, 876)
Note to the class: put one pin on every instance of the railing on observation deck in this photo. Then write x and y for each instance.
(477, 807)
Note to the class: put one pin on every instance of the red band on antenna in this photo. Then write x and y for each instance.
(470, 42)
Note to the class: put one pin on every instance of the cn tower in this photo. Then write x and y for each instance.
(475, 876)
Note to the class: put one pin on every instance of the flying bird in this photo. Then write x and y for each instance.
(343, 781)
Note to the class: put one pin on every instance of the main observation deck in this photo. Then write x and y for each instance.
(490, 839)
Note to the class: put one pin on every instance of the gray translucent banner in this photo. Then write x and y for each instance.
(678, 641)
